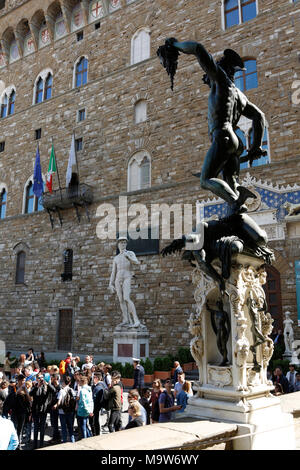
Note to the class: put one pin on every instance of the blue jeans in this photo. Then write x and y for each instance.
(83, 424)
(67, 426)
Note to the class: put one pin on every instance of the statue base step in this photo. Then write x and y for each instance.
(261, 423)
(130, 342)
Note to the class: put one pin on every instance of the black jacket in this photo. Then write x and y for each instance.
(139, 373)
(42, 398)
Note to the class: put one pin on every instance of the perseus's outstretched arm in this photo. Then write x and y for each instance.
(205, 59)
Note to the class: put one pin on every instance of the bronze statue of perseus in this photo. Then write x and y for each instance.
(226, 104)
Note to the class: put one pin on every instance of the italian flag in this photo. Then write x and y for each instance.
(51, 170)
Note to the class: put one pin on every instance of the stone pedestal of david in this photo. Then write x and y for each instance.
(130, 342)
(239, 391)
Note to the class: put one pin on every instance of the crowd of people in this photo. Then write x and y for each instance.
(288, 383)
(74, 398)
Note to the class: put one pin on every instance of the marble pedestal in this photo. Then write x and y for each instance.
(239, 391)
(130, 342)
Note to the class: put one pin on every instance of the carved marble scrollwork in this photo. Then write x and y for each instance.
(248, 304)
(203, 286)
(219, 376)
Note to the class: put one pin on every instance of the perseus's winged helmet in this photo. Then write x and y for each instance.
(233, 60)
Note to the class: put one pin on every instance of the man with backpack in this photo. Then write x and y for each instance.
(100, 397)
(66, 409)
(63, 365)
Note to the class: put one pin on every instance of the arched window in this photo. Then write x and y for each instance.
(139, 171)
(247, 79)
(81, 72)
(20, 267)
(3, 200)
(11, 106)
(273, 296)
(48, 87)
(140, 46)
(31, 202)
(140, 111)
(43, 86)
(39, 91)
(8, 102)
(239, 11)
(4, 106)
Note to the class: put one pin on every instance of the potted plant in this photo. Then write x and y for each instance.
(148, 366)
(186, 359)
(162, 368)
(127, 375)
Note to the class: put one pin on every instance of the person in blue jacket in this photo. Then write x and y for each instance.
(8, 435)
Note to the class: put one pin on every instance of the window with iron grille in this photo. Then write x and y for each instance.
(65, 330)
(68, 265)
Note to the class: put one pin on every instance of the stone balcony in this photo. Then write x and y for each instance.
(79, 195)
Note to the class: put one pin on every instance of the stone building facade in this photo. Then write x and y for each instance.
(90, 68)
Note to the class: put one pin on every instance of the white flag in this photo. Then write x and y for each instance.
(72, 162)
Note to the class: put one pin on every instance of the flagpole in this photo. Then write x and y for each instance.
(59, 185)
